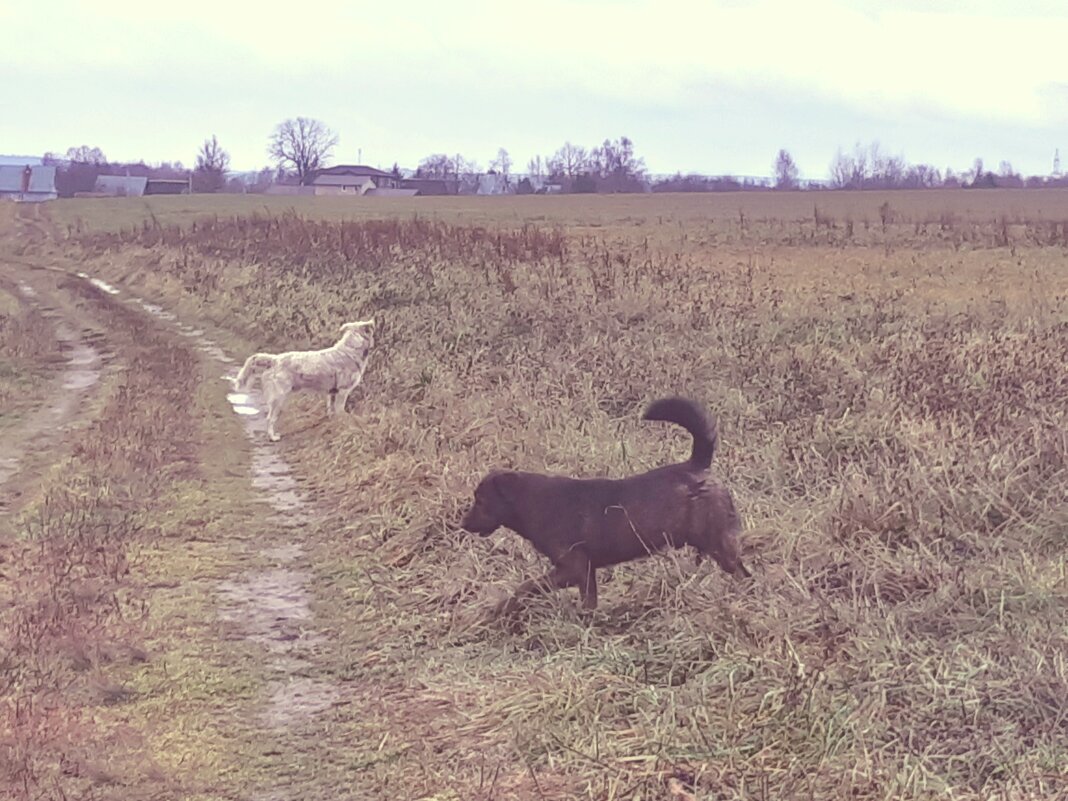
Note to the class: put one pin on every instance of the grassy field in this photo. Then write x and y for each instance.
(888, 372)
(655, 215)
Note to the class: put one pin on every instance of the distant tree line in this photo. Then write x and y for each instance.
(610, 167)
(613, 166)
(301, 146)
(870, 168)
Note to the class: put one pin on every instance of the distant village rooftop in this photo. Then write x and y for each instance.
(354, 170)
(27, 183)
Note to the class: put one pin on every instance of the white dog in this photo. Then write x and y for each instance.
(336, 370)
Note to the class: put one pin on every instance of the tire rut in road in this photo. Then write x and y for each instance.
(70, 392)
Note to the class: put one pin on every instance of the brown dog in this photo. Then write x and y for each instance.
(584, 524)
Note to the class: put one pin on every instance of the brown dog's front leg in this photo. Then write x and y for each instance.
(574, 570)
(553, 580)
(587, 585)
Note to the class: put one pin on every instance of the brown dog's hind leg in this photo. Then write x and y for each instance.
(724, 549)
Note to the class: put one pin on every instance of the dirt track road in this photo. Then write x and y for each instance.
(227, 698)
(37, 437)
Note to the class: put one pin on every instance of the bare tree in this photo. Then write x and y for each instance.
(1008, 177)
(859, 176)
(210, 170)
(303, 143)
(441, 166)
(263, 179)
(786, 172)
(894, 170)
(841, 169)
(437, 165)
(867, 167)
(569, 162)
(883, 172)
(620, 169)
(875, 160)
(86, 155)
(503, 163)
(921, 176)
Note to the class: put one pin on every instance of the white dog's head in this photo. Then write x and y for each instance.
(366, 329)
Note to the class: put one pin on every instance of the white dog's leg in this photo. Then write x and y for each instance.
(331, 403)
(274, 408)
(275, 397)
(343, 398)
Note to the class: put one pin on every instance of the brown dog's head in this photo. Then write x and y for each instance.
(493, 504)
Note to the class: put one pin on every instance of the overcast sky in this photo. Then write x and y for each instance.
(713, 87)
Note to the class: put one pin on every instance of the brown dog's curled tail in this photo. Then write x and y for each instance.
(686, 413)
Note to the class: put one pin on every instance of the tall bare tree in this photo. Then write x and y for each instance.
(620, 169)
(861, 171)
(86, 155)
(569, 161)
(302, 143)
(212, 163)
(921, 176)
(841, 169)
(786, 171)
(870, 168)
(438, 165)
(503, 162)
(441, 165)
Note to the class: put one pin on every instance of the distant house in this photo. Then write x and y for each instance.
(120, 185)
(28, 183)
(343, 184)
(136, 186)
(289, 189)
(493, 183)
(431, 186)
(359, 180)
(351, 179)
(20, 161)
(167, 186)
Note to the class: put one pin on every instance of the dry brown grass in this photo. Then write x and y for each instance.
(27, 352)
(891, 399)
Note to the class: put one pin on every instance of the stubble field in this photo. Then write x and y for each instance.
(889, 376)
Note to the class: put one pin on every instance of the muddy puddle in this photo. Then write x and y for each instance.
(268, 605)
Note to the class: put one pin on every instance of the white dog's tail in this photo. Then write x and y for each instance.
(254, 365)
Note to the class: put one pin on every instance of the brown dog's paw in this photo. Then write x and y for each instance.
(504, 608)
(503, 614)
